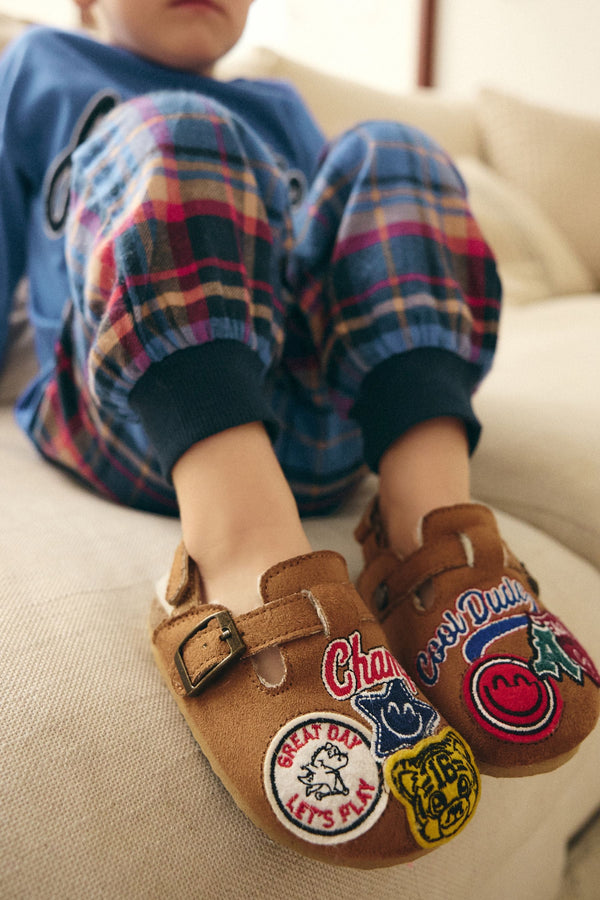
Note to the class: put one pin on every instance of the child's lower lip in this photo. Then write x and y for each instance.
(199, 4)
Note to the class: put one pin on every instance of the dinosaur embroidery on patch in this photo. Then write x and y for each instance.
(557, 650)
(322, 774)
(322, 780)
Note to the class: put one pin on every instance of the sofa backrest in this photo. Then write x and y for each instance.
(9, 29)
(337, 103)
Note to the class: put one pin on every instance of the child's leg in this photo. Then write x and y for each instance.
(405, 324)
(176, 316)
(187, 330)
(407, 329)
(238, 518)
(175, 265)
(238, 514)
(426, 468)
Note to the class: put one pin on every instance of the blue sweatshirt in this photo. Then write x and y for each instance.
(54, 85)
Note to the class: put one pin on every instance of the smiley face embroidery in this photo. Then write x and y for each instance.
(510, 701)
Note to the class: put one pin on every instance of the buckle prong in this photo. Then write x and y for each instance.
(235, 643)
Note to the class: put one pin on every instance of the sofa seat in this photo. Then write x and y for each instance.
(105, 793)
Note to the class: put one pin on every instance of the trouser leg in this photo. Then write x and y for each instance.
(180, 326)
(397, 308)
(178, 224)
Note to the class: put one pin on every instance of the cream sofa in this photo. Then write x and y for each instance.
(104, 793)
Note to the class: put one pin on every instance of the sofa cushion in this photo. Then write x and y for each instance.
(539, 455)
(535, 259)
(10, 28)
(20, 364)
(553, 157)
(338, 103)
(104, 792)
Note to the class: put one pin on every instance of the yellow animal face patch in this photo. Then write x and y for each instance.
(438, 783)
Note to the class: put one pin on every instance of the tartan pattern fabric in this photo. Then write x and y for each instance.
(394, 255)
(182, 231)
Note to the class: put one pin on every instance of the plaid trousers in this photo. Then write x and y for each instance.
(182, 233)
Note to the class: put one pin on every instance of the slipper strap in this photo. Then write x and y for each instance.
(218, 638)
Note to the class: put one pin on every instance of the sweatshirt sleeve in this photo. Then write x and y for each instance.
(13, 188)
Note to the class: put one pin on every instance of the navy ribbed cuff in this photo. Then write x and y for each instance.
(410, 388)
(199, 391)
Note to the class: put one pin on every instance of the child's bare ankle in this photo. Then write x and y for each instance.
(231, 570)
(231, 567)
(425, 469)
(238, 514)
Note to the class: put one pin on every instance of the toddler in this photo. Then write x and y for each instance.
(233, 320)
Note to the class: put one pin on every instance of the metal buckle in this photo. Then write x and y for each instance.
(235, 643)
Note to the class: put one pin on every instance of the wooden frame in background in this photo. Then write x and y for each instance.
(426, 56)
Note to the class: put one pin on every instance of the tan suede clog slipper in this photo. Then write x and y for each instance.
(463, 616)
(343, 761)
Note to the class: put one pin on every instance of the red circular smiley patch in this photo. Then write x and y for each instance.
(510, 701)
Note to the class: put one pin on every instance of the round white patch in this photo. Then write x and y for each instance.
(322, 779)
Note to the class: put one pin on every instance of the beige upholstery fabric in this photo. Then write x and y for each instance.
(535, 260)
(104, 792)
(539, 455)
(338, 104)
(551, 156)
(9, 29)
